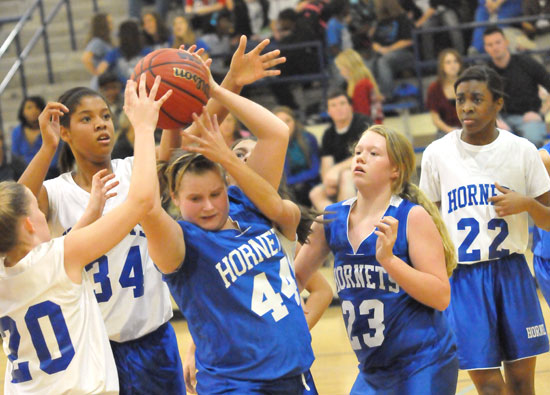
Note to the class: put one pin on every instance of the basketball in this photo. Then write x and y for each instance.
(185, 75)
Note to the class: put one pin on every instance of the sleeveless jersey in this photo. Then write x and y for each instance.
(52, 329)
(461, 177)
(133, 298)
(541, 238)
(238, 293)
(392, 334)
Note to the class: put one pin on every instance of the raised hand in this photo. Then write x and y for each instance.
(49, 123)
(101, 190)
(509, 203)
(247, 68)
(210, 143)
(141, 108)
(386, 230)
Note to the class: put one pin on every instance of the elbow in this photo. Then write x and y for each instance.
(144, 203)
(444, 298)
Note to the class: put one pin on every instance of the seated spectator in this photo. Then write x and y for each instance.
(252, 15)
(98, 44)
(391, 44)
(112, 90)
(275, 8)
(201, 12)
(492, 10)
(183, 34)
(361, 86)
(231, 130)
(336, 156)
(155, 32)
(218, 45)
(522, 76)
(10, 168)
(26, 139)
(338, 36)
(124, 58)
(363, 18)
(302, 157)
(440, 13)
(135, 6)
(441, 98)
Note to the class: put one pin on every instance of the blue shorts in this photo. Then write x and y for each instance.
(212, 384)
(542, 273)
(495, 313)
(435, 379)
(150, 364)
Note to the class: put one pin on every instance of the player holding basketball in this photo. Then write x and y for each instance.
(487, 182)
(250, 332)
(42, 281)
(391, 265)
(133, 298)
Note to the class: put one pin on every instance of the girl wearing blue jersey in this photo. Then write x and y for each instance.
(541, 243)
(43, 279)
(134, 300)
(487, 182)
(226, 268)
(392, 258)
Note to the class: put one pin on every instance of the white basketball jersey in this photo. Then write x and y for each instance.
(52, 329)
(461, 177)
(133, 298)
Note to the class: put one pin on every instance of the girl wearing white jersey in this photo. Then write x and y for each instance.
(487, 182)
(133, 298)
(50, 322)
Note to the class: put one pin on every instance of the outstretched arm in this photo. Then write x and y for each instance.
(35, 173)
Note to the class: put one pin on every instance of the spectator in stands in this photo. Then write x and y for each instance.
(98, 44)
(112, 90)
(219, 44)
(10, 168)
(124, 139)
(201, 12)
(441, 98)
(363, 18)
(26, 139)
(302, 157)
(361, 85)
(440, 13)
(252, 15)
(275, 8)
(131, 49)
(522, 75)
(492, 10)
(391, 43)
(338, 36)
(294, 29)
(155, 32)
(135, 6)
(183, 33)
(336, 156)
(232, 131)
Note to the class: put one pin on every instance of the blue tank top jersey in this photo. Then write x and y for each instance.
(541, 238)
(392, 334)
(238, 293)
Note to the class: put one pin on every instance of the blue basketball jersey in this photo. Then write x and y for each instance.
(238, 293)
(392, 334)
(541, 238)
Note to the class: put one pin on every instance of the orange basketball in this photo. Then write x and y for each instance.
(185, 75)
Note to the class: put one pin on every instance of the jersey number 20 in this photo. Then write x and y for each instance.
(20, 372)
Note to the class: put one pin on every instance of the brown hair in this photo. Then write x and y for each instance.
(14, 204)
(441, 58)
(298, 135)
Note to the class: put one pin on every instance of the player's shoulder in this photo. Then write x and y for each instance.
(443, 145)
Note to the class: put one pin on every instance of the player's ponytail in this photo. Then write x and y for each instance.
(14, 204)
(401, 153)
(412, 193)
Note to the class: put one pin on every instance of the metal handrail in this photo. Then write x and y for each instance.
(419, 64)
(13, 38)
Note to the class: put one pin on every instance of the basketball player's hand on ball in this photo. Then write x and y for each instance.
(247, 68)
(141, 108)
(101, 192)
(49, 123)
(210, 143)
(509, 203)
(386, 230)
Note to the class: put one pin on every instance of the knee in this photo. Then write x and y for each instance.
(520, 386)
(491, 388)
